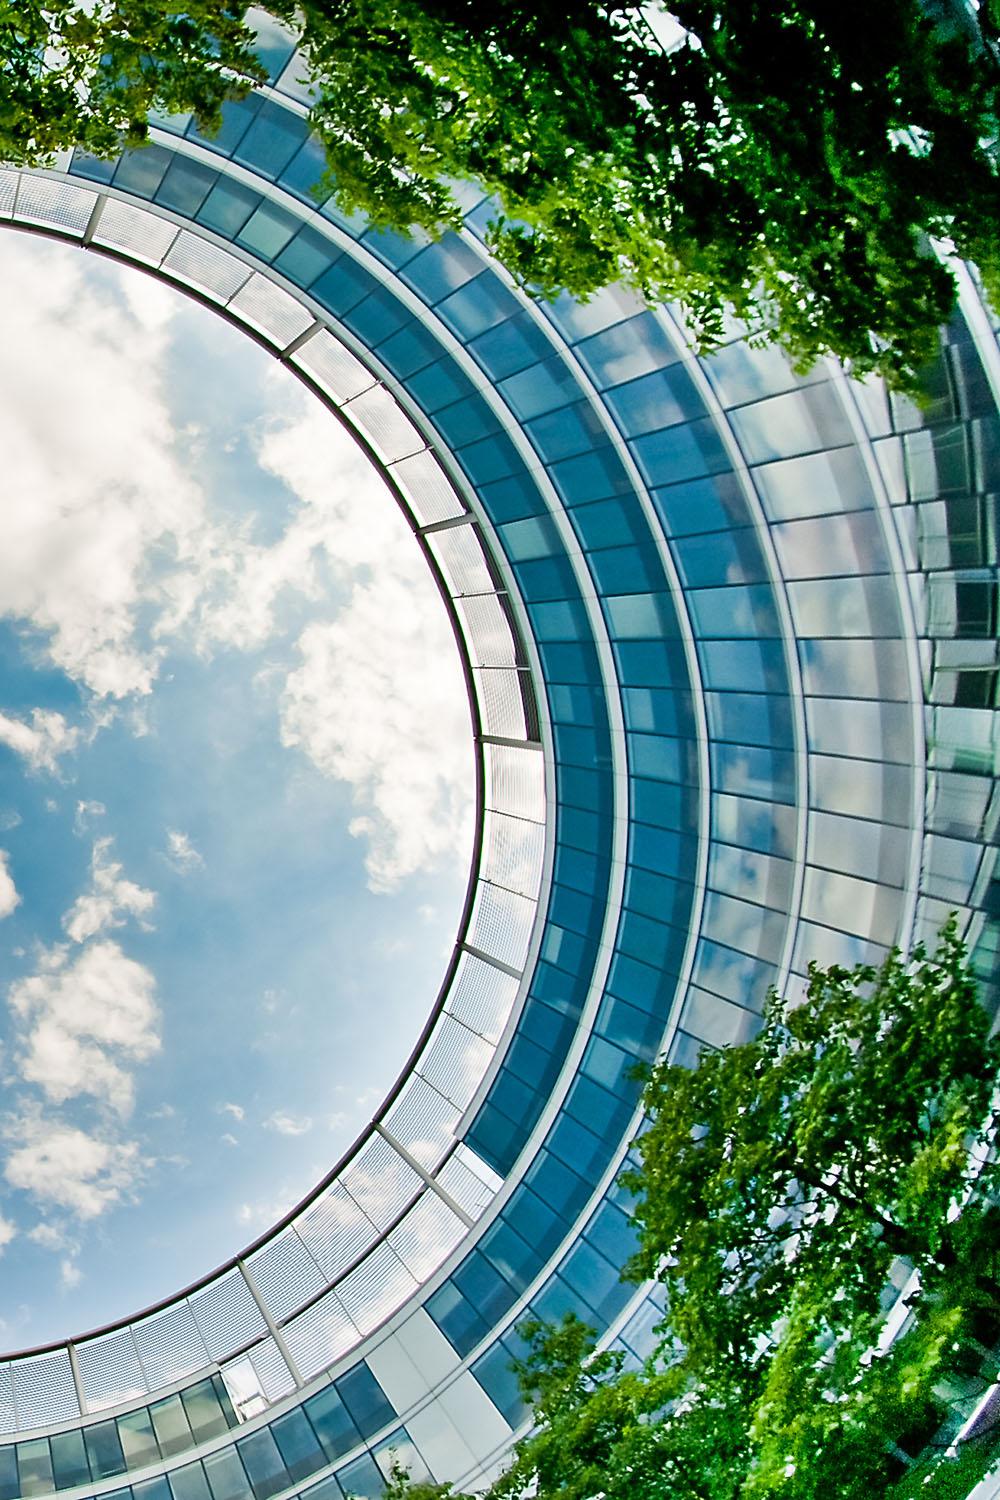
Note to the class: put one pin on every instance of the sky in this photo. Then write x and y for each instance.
(236, 787)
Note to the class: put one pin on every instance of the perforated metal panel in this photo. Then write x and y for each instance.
(482, 997)
(427, 1236)
(467, 1188)
(170, 1345)
(380, 1181)
(44, 1390)
(318, 1335)
(377, 415)
(8, 192)
(227, 1315)
(332, 367)
(487, 632)
(501, 706)
(59, 205)
(8, 1416)
(335, 1231)
(515, 782)
(427, 488)
(422, 1120)
(501, 924)
(144, 236)
(513, 849)
(460, 556)
(272, 1372)
(206, 267)
(456, 1061)
(285, 1273)
(379, 1285)
(270, 310)
(110, 1370)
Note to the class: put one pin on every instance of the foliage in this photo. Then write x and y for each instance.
(92, 76)
(786, 162)
(780, 1183)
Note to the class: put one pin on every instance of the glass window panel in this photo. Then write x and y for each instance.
(738, 610)
(757, 825)
(795, 423)
(236, 117)
(635, 347)
(540, 388)
(596, 1280)
(855, 668)
(362, 1479)
(9, 1486)
(138, 1439)
(740, 924)
(829, 545)
(104, 1450)
(69, 1460)
(845, 607)
(267, 231)
(171, 1426)
(306, 257)
(814, 485)
(142, 171)
(477, 306)
(442, 267)
(741, 374)
(856, 905)
(152, 1489)
(721, 557)
(272, 140)
(716, 1021)
(710, 504)
(859, 847)
(204, 1412)
(331, 1422)
(35, 1465)
(365, 1399)
(655, 401)
(227, 207)
(561, 434)
(185, 186)
(753, 771)
(497, 1378)
(297, 1445)
(305, 170)
(872, 730)
(740, 977)
(226, 1476)
(750, 718)
(190, 1483)
(262, 1461)
(758, 877)
(864, 789)
(510, 346)
(749, 666)
(682, 452)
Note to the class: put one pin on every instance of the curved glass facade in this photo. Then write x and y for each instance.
(731, 639)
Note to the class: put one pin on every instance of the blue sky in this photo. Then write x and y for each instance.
(235, 791)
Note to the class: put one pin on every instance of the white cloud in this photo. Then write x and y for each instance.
(85, 814)
(9, 819)
(42, 741)
(286, 1124)
(110, 901)
(65, 1166)
(83, 1019)
(378, 702)
(9, 897)
(92, 484)
(236, 1110)
(181, 853)
(70, 1275)
(228, 1140)
(8, 1231)
(53, 1237)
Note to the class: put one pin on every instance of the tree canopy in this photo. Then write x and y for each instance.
(786, 161)
(785, 1189)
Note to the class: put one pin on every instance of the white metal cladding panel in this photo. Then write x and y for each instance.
(501, 705)
(286, 1273)
(380, 1181)
(515, 781)
(8, 1417)
(8, 192)
(332, 367)
(170, 1345)
(335, 1231)
(227, 1314)
(317, 1336)
(460, 555)
(58, 204)
(422, 1121)
(205, 266)
(272, 1372)
(427, 1235)
(376, 1288)
(377, 414)
(110, 1370)
(481, 996)
(272, 310)
(461, 1183)
(44, 1390)
(456, 1061)
(427, 488)
(514, 849)
(145, 236)
(501, 924)
(487, 632)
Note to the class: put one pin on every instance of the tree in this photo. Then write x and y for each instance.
(780, 1181)
(91, 76)
(786, 162)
